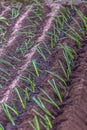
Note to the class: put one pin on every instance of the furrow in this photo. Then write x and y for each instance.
(75, 110)
(11, 51)
(31, 53)
(46, 28)
(18, 25)
(15, 30)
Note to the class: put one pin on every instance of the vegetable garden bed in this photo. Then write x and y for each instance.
(43, 66)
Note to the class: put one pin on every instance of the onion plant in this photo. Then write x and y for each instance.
(3, 39)
(23, 103)
(57, 27)
(28, 45)
(6, 109)
(71, 4)
(30, 82)
(4, 71)
(53, 37)
(1, 127)
(74, 32)
(29, 34)
(38, 13)
(48, 99)
(47, 125)
(12, 58)
(6, 63)
(32, 22)
(61, 20)
(3, 78)
(36, 2)
(2, 33)
(42, 106)
(15, 10)
(39, 50)
(46, 48)
(57, 76)
(68, 63)
(38, 114)
(54, 86)
(14, 13)
(35, 67)
(67, 49)
(35, 125)
(81, 29)
(66, 11)
(27, 97)
(4, 20)
(20, 51)
(63, 69)
(83, 17)
(44, 120)
(68, 54)
(74, 37)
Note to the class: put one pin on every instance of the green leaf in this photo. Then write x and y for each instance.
(4, 20)
(6, 63)
(36, 123)
(57, 76)
(20, 98)
(1, 127)
(35, 67)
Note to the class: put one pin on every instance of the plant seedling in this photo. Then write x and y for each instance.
(45, 118)
(83, 17)
(38, 13)
(35, 67)
(42, 106)
(49, 100)
(6, 63)
(55, 89)
(57, 76)
(23, 104)
(6, 109)
(4, 71)
(81, 29)
(28, 80)
(3, 78)
(26, 94)
(75, 38)
(64, 70)
(39, 50)
(35, 125)
(4, 20)
(20, 51)
(47, 125)
(1, 127)
(14, 13)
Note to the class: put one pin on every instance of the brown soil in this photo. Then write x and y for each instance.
(75, 109)
(72, 113)
(9, 51)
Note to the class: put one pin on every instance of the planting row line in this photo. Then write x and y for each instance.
(13, 54)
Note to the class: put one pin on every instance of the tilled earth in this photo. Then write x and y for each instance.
(75, 107)
(19, 40)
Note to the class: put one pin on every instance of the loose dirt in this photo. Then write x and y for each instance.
(73, 109)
